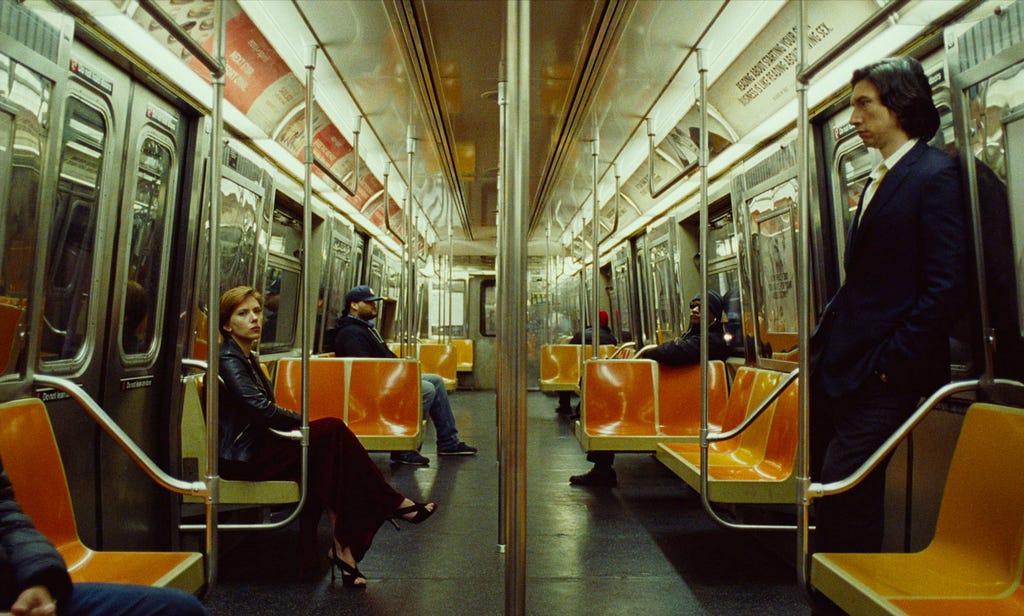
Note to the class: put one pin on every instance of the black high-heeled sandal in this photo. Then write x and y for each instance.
(349, 573)
(421, 513)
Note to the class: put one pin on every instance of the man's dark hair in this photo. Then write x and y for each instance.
(903, 88)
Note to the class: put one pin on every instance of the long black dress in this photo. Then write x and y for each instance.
(342, 477)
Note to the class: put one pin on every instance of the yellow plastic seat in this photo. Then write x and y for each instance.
(193, 447)
(464, 352)
(560, 367)
(974, 561)
(34, 466)
(442, 360)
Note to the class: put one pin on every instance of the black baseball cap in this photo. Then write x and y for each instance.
(361, 293)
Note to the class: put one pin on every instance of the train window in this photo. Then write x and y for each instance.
(69, 271)
(488, 308)
(20, 144)
(339, 280)
(450, 318)
(854, 168)
(772, 216)
(150, 208)
(281, 291)
(665, 292)
(240, 210)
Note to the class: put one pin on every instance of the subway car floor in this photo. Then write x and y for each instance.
(645, 546)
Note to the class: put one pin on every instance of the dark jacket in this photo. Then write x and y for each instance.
(905, 267)
(27, 558)
(247, 405)
(357, 338)
(604, 336)
(686, 348)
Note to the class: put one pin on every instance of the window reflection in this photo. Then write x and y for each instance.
(145, 259)
(73, 236)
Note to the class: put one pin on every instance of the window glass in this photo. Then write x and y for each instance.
(488, 308)
(282, 285)
(150, 208)
(20, 147)
(69, 272)
(772, 214)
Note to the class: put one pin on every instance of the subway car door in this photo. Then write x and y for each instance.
(72, 332)
(140, 370)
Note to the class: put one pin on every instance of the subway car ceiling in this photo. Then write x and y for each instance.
(416, 85)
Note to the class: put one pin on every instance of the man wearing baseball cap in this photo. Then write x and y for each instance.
(357, 337)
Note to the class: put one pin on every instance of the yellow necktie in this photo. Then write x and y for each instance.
(876, 178)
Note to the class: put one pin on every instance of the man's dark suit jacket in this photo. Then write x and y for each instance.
(905, 268)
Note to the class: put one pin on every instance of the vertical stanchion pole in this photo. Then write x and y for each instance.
(703, 247)
(595, 274)
(803, 301)
(512, 361)
(213, 309)
(504, 425)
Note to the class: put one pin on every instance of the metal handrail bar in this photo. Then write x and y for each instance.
(848, 41)
(644, 349)
(387, 205)
(615, 225)
(157, 474)
(333, 176)
(714, 437)
(212, 64)
(817, 490)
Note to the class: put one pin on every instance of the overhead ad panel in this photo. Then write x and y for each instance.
(762, 80)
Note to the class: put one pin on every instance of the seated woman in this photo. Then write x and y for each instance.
(342, 477)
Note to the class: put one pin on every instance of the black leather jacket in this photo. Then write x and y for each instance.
(26, 557)
(247, 405)
(685, 349)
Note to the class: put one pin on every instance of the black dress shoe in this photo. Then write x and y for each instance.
(596, 477)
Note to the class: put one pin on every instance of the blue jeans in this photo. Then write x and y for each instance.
(127, 600)
(435, 403)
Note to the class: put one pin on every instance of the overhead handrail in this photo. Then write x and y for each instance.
(387, 205)
(213, 64)
(615, 225)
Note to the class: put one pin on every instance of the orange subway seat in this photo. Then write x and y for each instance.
(973, 563)
(679, 398)
(34, 466)
(619, 398)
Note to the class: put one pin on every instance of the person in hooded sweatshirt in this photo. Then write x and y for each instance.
(679, 352)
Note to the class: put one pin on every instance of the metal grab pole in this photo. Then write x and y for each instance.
(411, 221)
(802, 463)
(595, 275)
(213, 295)
(513, 240)
(703, 247)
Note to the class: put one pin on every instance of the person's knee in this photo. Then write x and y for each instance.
(427, 393)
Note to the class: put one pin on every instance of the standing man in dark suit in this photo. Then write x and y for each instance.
(883, 340)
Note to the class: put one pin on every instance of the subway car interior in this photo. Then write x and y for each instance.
(504, 175)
